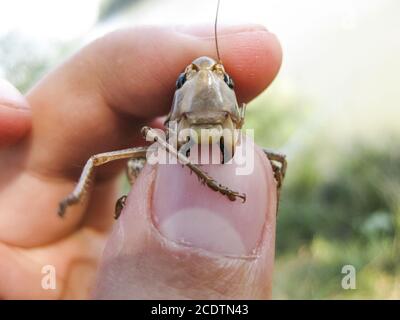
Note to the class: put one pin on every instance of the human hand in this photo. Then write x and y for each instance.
(97, 101)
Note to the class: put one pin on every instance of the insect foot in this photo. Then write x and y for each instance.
(232, 195)
(64, 204)
(119, 206)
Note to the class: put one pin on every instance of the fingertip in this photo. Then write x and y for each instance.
(253, 61)
(142, 262)
(146, 80)
(15, 114)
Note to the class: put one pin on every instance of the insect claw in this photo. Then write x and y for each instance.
(61, 209)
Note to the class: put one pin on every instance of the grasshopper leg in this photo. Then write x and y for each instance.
(119, 205)
(279, 166)
(94, 161)
(133, 168)
(152, 134)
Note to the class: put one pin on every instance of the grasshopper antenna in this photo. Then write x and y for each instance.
(216, 33)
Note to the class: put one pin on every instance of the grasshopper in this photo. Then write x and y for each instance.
(204, 100)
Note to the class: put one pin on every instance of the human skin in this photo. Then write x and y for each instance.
(175, 238)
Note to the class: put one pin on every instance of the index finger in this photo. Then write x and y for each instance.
(98, 100)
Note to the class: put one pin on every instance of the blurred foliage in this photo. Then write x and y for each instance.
(340, 205)
(110, 8)
(21, 64)
(274, 118)
(350, 217)
(23, 61)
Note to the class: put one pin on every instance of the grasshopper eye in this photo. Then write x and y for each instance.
(181, 80)
(229, 81)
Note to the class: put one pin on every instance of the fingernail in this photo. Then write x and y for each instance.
(189, 213)
(206, 31)
(11, 97)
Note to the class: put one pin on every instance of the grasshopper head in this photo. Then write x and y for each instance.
(205, 106)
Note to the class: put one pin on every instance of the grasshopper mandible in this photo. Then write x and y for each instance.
(204, 100)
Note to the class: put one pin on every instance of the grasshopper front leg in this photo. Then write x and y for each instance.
(204, 177)
(135, 165)
(94, 161)
(137, 153)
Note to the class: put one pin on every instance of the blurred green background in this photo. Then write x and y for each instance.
(334, 110)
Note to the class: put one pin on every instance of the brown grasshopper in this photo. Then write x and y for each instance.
(204, 100)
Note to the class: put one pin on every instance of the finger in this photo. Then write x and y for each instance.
(15, 115)
(177, 239)
(99, 99)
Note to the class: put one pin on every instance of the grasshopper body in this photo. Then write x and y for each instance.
(204, 101)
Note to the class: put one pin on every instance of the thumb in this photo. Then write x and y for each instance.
(15, 115)
(177, 239)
